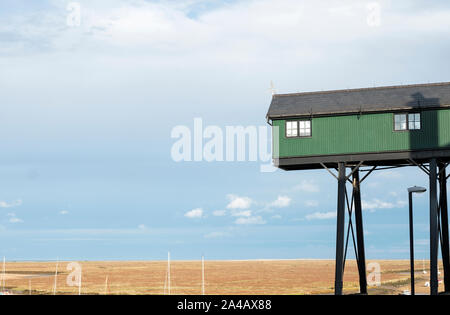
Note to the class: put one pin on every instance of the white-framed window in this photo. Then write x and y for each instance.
(291, 129)
(414, 121)
(400, 122)
(403, 122)
(305, 128)
(300, 128)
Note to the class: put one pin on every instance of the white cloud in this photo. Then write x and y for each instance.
(245, 213)
(142, 227)
(194, 214)
(276, 217)
(237, 202)
(219, 213)
(321, 216)
(4, 204)
(216, 235)
(281, 202)
(380, 204)
(311, 203)
(250, 221)
(377, 204)
(13, 218)
(401, 203)
(307, 186)
(64, 212)
(422, 242)
(166, 25)
(389, 174)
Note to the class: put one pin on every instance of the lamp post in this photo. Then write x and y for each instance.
(411, 191)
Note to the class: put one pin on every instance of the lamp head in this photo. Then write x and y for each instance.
(417, 190)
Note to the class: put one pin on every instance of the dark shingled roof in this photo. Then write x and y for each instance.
(353, 101)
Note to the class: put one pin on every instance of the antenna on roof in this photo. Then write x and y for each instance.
(272, 88)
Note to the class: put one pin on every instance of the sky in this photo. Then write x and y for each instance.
(88, 104)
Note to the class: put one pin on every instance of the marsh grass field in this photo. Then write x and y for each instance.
(263, 277)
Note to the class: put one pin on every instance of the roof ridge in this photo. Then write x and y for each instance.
(363, 89)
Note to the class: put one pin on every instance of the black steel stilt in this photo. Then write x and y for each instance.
(444, 225)
(340, 230)
(359, 233)
(434, 234)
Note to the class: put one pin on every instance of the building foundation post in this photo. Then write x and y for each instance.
(340, 230)
(359, 233)
(434, 232)
(444, 225)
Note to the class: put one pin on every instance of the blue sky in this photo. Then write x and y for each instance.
(86, 116)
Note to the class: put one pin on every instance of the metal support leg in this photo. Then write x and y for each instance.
(434, 234)
(444, 225)
(340, 231)
(359, 233)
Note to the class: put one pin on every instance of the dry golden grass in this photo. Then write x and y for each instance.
(222, 277)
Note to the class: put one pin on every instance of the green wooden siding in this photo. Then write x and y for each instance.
(366, 133)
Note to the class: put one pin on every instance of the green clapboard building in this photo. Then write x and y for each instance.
(381, 126)
(368, 130)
